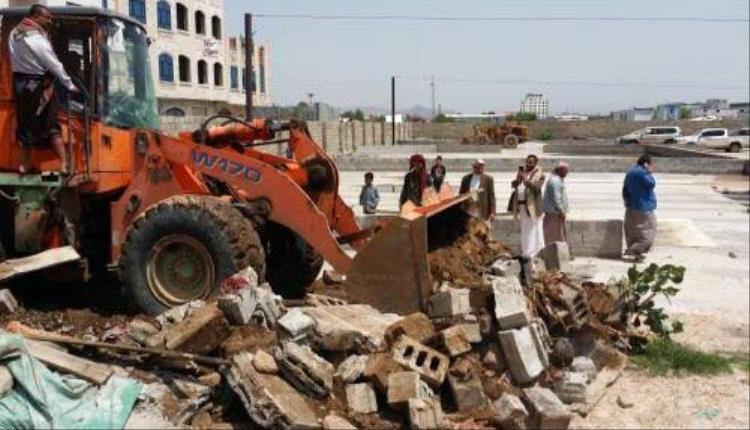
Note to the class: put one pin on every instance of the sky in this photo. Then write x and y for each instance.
(589, 67)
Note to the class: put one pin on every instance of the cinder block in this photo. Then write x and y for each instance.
(468, 392)
(430, 364)
(417, 326)
(541, 339)
(510, 413)
(448, 303)
(454, 341)
(547, 411)
(403, 386)
(425, 414)
(361, 398)
(472, 329)
(379, 367)
(521, 354)
(511, 310)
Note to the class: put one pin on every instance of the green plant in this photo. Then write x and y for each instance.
(441, 118)
(662, 356)
(685, 113)
(643, 286)
(545, 135)
(521, 116)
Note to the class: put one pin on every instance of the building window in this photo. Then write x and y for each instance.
(163, 15)
(200, 22)
(138, 10)
(166, 68)
(233, 78)
(174, 111)
(202, 72)
(182, 17)
(218, 74)
(184, 64)
(216, 27)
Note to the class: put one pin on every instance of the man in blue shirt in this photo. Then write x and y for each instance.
(640, 203)
(369, 196)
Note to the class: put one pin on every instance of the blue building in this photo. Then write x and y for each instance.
(669, 111)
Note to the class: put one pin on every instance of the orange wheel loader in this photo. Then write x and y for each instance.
(175, 216)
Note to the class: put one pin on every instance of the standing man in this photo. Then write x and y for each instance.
(437, 173)
(555, 204)
(640, 204)
(526, 205)
(369, 196)
(35, 66)
(484, 205)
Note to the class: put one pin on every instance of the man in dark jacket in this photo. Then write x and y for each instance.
(640, 204)
(415, 181)
(483, 207)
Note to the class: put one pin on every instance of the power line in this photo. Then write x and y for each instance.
(573, 19)
(568, 83)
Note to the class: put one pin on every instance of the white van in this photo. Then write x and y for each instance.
(665, 134)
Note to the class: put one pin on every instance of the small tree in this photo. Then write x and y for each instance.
(441, 118)
(355, 115)
(685, 113)
(522, 116)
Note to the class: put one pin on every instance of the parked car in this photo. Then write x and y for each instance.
(704, 136)
(720, 138)
(739, 139)
(666, 134)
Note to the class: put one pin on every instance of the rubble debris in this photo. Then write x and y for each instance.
(358, 328)
(467, 388)
(332, 277)
(296, 323)
(597, 389)
(585, 365)
(556, 256)
(177, 314)
(472, 329)
(264, 362)
(306, 370)
(494, 359)
(245, 279)
(52, 257)
(562, 353)
(323, 300)
(417, 326)
(510, 413)
(85, 369)
(430, 364)
(352, 368)
(239, 306)
(140, 330)
(379, 367)
(212, 379)
(335, 422)
(541, 340)
(250, 338)
(571, 387)
(6, 380)
(361, 398)
(511, 310)
(199, 333)
(521, 354)
(547, 411)
(505, 267)
(271, 305)
(403, 386)
(454, 341)
(8, 303)
(268, 399)
(449, 302)
(425, 414)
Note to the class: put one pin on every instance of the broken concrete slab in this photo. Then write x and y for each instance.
(245, 279)
(449, 302)
(200, 333)
(425, 414)
(468, 391)
(510, 413)
(509, 268)
(8, 303)
(140, 331)
(454, 341)
(571, 387)
(547, 411)
(264, 362)
(556, 256)
(361, 398)
(52, 257)
(585, 365)
(472, 329)
(417, 326)
(521, 354)
(239, 306)
(511, 310)
(296, 324)
(269, 400)
(430, 364)
(323, 300)
(178, 313)
(378, 369)
(541, 340)
(406, 385)
(270, 304)
(335, 422)
(352, 368)
(6, 380)
(306, 370)
(358, 328)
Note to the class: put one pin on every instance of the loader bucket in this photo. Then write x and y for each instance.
(392, 272)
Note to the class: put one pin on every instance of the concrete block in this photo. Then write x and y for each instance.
(378, 369)
(511, 310)
(454, 341)
(448, 303)
(510, 413)
(430, 364)
(8, 303)
(360, 328)
(425, 414)
(140, 330)
(305, 369)
(556, 256)
(417, 326)
(547, 411)
(270, 304)
(506, 268)
(335, 422)
(585, 365)
(541, 338)
(521, 354)
(403, 386)
(352, 368)
(468, 392)
(296, 323)
(239, 306)
(361, 398)
(494, 359)
(264, 362)
(472, 329)
(571, 387)
(6, 380)
(200, 333)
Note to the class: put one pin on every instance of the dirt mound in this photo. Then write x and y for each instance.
(72, 322)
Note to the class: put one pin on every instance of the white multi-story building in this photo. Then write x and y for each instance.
(536, 104)
(197, 69)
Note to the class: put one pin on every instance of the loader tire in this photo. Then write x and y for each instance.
(511, 141)
(182, 248)
(292, 265)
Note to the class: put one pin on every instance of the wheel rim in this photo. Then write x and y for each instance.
(180, 269)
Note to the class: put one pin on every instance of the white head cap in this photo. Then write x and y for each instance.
(479, 161)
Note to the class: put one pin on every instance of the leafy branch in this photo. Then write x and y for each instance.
(643, 286)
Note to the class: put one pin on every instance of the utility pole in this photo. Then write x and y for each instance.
(393, 110)
(432, 87)
(249, 66)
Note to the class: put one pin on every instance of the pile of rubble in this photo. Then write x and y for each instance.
(502, 348)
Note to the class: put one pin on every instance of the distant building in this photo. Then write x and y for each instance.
(716, 104)
(536, 104)
(668, 111)
(571, 117)
(634, 114)
(742, 110)
(326, 112)
(399, 118)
